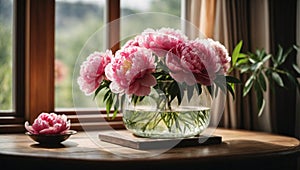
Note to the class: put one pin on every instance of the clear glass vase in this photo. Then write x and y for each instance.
(157, 116)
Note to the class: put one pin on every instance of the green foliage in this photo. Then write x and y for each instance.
(5, 57)
(172, 7)
(74, 25)
(275, 72)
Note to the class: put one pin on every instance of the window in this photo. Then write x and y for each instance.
(75, 22)
(51, 33)
(12, 65)
(155, 14)
(6, 57)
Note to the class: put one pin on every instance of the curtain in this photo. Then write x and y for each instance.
(283, 32)
(260, 24)
(232, 21)
(297, 120)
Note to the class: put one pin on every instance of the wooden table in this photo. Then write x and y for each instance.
(239, 150)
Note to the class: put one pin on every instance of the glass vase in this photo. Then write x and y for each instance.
(161, 115)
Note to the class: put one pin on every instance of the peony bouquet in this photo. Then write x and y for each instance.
(150, 58)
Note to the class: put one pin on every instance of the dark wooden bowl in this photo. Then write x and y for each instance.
(51, 139)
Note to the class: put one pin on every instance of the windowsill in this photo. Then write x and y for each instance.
(238, 147)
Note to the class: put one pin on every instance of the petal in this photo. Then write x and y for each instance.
(148, 80)
(50, 130)
(29, 128)
(114, 87)
(143, 91)
(133, 88)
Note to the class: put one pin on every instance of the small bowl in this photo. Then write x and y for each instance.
(51, 139)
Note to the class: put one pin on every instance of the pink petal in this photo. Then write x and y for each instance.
(29, 128)
(133, 88)
(143, 91)
(148, 80)
(50, 130)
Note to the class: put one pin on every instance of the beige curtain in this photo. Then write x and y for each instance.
(230, 21)
(202, 13)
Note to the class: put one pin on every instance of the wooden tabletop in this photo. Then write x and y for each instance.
(239, 147)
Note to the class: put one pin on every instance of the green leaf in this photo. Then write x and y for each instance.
(230, 87)
(260, 98)
(261, 108)
(134, 99)
(245, 68)
(106, 95)
(276, 77)
(96, 92)
(141, 98)
(116, 107)
(262, 81)
(102, 86)
(231, 79)
(209, 88)
(173, 90)
(109, 103)
(242, 61)
(268, 73)
(266, 58)
(179, 95)
(257, 66)
(242, 56)
(199, 89)
(285, 55)
(248, 85)
(293, 79)
(261, 53)
(278, 57)
(253, 60)
(296, 68)
(236, 52)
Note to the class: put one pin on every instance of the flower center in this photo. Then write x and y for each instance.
(126, 65)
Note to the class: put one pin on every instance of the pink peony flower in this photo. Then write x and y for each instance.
(92, 71)
(193, 62)
(130, 71)
(161, 41)
(223, 55)
(47, 123)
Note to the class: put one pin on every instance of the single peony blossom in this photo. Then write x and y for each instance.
(161, 41)
(47, 123)
(196, 61)
(92, 71)
(130, 71)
